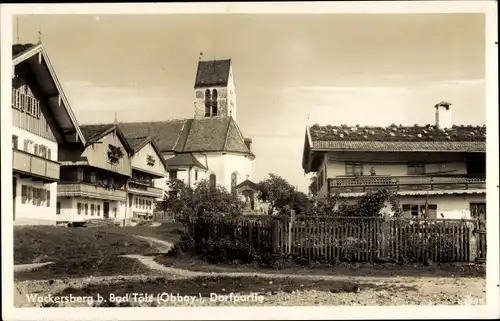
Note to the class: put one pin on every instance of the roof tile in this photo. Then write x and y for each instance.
(212, 73)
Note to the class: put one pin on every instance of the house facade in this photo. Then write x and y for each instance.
(210, 145)
(439, 168)
(94, 177)
(42, 124)
(148, 166)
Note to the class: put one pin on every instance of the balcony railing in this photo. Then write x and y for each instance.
(29, 164)
(140, 189)
(90, 190)
(404, 183)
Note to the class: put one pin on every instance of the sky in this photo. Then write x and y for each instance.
(290, 71)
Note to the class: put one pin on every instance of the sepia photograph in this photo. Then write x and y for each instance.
(210, 155)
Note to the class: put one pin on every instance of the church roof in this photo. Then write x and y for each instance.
(212, 73)
(184, 160)
(219, 134)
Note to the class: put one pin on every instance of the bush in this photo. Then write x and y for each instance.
(226, 250)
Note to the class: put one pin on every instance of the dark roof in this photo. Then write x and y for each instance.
(220, 134)
(17, 49)
(212, 73)
(399, 138)
(93, 133)
(185, 159)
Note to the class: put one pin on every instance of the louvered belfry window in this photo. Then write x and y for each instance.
(208, 104)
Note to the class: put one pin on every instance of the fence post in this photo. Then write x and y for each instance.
(290, 228)
(473, 243)
(385, 236)
(274, 236)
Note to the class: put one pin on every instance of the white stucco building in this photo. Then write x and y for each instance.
(441, 165)
(42, 124)
(210, 145)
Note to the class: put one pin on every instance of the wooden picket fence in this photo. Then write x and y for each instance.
(360, 239)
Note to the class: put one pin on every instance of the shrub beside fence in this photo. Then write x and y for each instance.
(360, 239)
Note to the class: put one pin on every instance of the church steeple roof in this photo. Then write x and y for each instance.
(212, 73)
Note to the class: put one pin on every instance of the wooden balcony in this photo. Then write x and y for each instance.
(363, 184)
(90, 190)
(145, 190)
(34, 166)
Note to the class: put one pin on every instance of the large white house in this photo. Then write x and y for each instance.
(440, 167)
(42, 122)
(210, 145)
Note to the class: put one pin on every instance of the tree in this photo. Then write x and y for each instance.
(276, 191)
(183, 201)
(313, 186)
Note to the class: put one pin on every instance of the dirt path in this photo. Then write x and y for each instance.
(29, 267)
(161, 245)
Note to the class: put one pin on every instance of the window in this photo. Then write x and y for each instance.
(416, 169)
(234, 178)
(93, 178)
(36, 149)
(48, 198)
(114, 211)
(58, 208)
(207, 103)
(98, 210)
(48, 153)
(213, 181)
(30, 194)
(214, 102)
(195, 174)
(24, 194)
(79, 175)
(353, 168)
(172, 174)
(15, 141)
(92, 209)
(418, 211)
(79, 208)
(42, 151)
(86, 209)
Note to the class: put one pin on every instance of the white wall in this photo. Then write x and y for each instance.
(23, 135)
(139, 160)
(335, 169)
(69, 209)
(29, 213)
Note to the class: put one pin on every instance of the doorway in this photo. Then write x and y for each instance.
(105, 209)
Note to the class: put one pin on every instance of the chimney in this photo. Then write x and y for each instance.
(443, 115)
(248, 142)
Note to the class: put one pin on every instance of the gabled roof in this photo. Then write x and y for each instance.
(248, 183)
(212, 73)
(218, 134)
(184, 160)
(429, 138)
(36, 58)
(93, 133)
(138, 143)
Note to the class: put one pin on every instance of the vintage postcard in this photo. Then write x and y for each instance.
(303, 160)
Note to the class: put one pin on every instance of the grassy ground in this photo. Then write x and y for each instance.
(34, 244)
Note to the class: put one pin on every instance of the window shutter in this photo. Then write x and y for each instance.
(48, 198)
(24, 194)
(432, 211)
(79, 208)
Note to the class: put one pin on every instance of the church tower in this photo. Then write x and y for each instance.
(214, 89)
